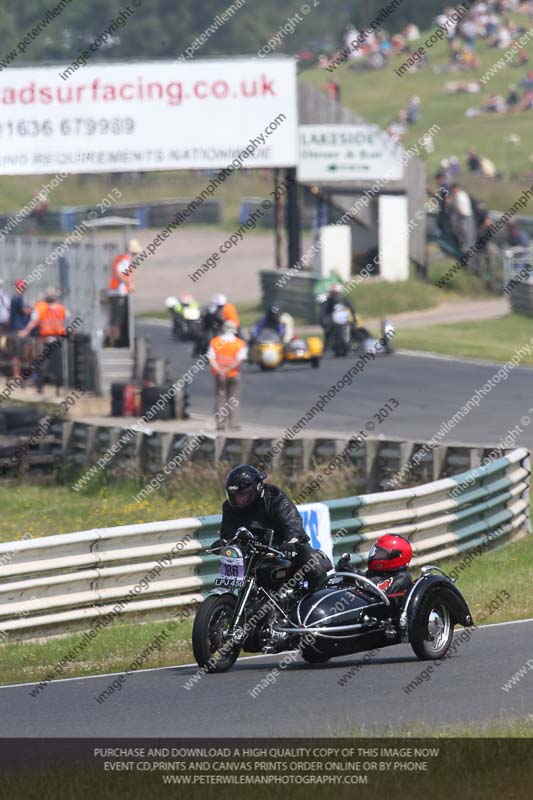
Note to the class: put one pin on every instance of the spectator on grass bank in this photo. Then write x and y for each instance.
(412, 114)
(526, 103)
(412, 32)
(479, 165)
(226, 355)
(473, 161)
(513, 98)
(463, 222)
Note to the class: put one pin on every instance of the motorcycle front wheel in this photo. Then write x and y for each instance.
(210, 646)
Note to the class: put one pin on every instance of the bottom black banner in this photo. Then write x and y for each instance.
(53, 769)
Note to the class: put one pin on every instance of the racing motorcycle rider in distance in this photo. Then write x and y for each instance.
(252, 503)
(335, 297)
(271, 321)
(387, 565)
(180, 320)
(227, 311)
(211, 323)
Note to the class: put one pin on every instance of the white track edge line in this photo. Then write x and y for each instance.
(187, 666)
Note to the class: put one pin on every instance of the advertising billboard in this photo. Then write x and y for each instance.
(148, 116)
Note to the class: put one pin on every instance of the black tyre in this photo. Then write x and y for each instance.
(315, 362)
(313, 655)
(437, 626)
(208, 641)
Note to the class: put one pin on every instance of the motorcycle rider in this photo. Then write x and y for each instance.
(211, 323)
(271, 321)
(252, 503)
(227, 310)
(335, 297)
(185, 303)
(387, 565)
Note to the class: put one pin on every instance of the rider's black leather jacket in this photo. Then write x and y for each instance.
(273, 510)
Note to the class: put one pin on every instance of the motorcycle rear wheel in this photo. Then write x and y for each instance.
(209, 645)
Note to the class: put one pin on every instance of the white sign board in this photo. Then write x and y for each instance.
(148, 116)
(331, 153)
(317, 524)
(393, 238)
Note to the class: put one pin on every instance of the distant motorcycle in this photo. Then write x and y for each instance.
(269, 352)
(341, 330)
(256, 606)
(185, 322)
(364, 342)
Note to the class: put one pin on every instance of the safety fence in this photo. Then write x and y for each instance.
(66, 582)
(372, 462)
(146, 215)
(518, 279)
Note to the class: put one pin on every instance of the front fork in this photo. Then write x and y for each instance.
(235, 633)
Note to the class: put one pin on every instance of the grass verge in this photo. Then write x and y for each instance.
(113, 650)
(493, 340)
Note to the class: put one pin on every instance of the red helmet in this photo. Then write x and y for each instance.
(389, 553)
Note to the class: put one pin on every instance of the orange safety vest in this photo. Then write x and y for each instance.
(51, 320)
(229, 312)
(39, 308)
(117, 277)
(226, 353)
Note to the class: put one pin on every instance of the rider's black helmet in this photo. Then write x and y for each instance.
(274, 313)
(244, 485)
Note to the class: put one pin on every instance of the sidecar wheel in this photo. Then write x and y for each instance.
(313, 656)
(210, 623)
(437, 626)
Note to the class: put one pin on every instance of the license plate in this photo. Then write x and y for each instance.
(229, 583)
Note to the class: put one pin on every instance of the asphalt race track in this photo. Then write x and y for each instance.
(304, 700)
(429, 389)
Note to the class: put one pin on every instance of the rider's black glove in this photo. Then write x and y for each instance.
(290, 547)
(218, 543)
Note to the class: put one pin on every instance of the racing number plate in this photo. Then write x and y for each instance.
(231, 568)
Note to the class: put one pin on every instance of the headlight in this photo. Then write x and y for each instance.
(269, 357)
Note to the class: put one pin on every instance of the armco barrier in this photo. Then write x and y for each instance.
(372, 462)
(59, 583)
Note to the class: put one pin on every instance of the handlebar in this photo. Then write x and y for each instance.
(245, 537)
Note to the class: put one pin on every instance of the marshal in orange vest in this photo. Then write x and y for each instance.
(51, 319)
(120, 281)
(226, 351)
